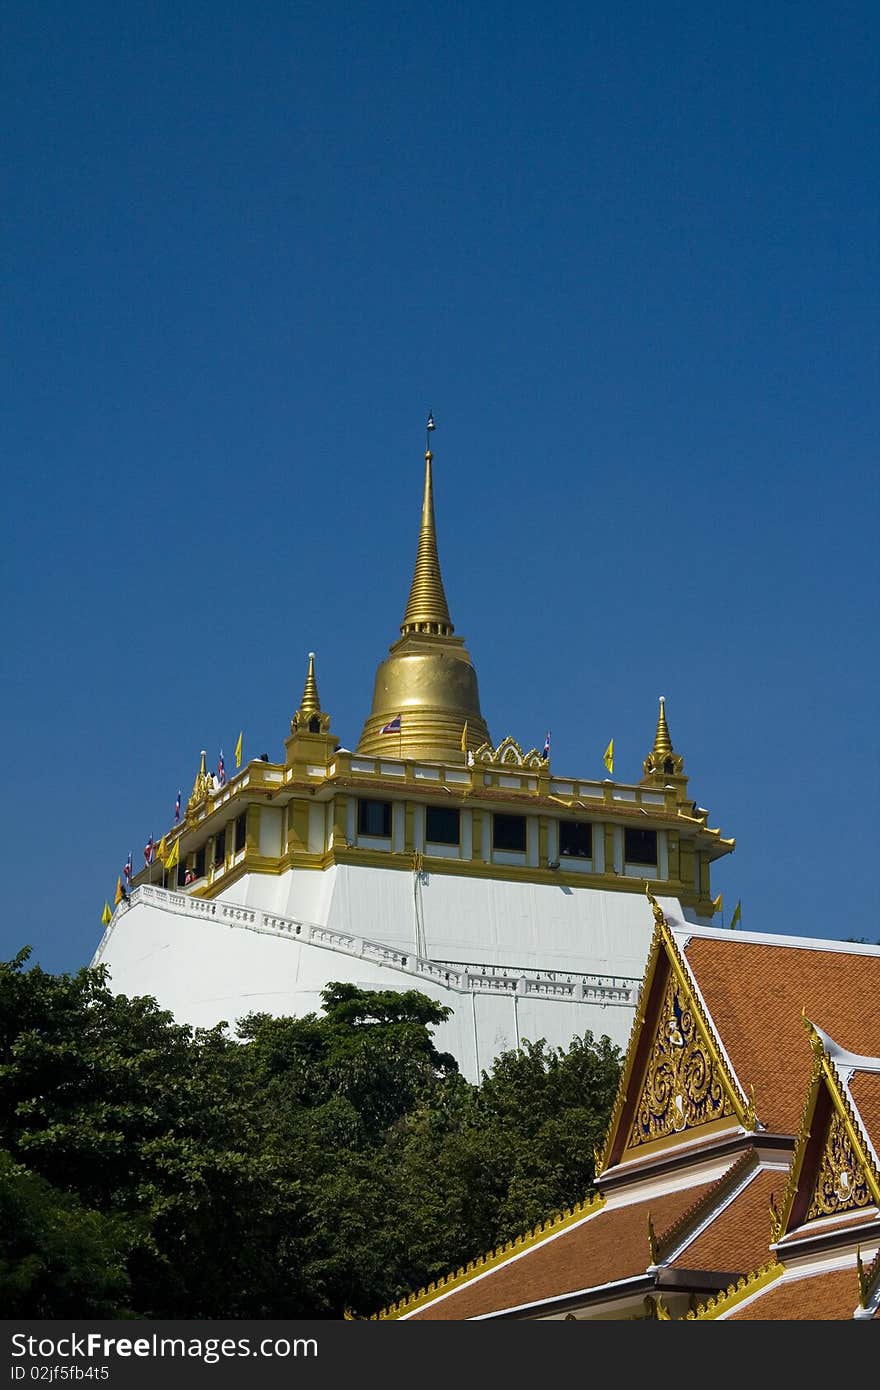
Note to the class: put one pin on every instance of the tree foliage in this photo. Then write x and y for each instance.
(299, 1167)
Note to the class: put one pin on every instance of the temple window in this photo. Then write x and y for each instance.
(240, 831)
(220, 848)
(442, 825)
(575, 839)
(640, 847)
(199, 865)
(374, 818)
(509, 832)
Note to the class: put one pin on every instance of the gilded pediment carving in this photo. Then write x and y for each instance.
(683, 1086)
(508, 754)
(841, 1183)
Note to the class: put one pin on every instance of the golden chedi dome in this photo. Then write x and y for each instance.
(426, 688)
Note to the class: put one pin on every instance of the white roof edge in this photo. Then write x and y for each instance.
(685, 931)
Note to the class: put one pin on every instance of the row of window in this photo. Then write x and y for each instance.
(443, 827)
(187, 873)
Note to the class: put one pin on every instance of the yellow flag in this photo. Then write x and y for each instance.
(173, 855)
(119, 893)
(737, 915)
(162, 850)
(609, 756)
(718, 903)
(106, 915)
(238, 750)
(464, 738)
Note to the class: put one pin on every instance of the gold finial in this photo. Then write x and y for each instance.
(663, 761)
(662, 741)
(202, 785)
(310, 703)
(426, 609)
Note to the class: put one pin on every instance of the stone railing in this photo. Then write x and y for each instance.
(466, 978)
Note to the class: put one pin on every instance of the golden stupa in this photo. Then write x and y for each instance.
(427, 679)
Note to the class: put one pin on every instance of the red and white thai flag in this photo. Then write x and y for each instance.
(128, 868)
(546, 752)
(148, 851)
(177, 807)
(392, 727)
(221, 768)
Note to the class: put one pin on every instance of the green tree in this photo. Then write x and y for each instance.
(57, 1258)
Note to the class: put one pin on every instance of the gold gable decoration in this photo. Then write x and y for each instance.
(508, 754)
(683, 1088)
(664, 951)
(841, 1183)
(847, 1179)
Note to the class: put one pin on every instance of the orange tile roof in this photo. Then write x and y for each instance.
(609, 1246)
(738, 1237)
(864, 1087)
(830, 1297)
(755, 994)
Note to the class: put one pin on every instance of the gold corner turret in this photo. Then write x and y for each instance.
(426, 689)
(310, 739)
(663, 764)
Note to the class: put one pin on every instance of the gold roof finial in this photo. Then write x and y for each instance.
(427, 609)
(310, 703)
(202, 785)
(662, 741)
(663, 761)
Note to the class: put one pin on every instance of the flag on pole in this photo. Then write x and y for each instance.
(173, 858)
(392, 727)
(128, 869)
(238, 750)
(221, 768)
(718, 903)
(464, 738)
(177, 807)
(546, 753)
(148, 852)
(737, 915)
(162, 850)
(430, 425)
(120, 892)
(106, 915)
(608, 756)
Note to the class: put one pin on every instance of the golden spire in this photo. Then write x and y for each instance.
(662, 741)
(310, 703)
(425, 690)
(427, 610)
(663, 761)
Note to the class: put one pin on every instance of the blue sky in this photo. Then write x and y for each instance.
(628, 255)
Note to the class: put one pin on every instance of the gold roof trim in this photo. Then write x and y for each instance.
(498, 1256)
(735, 1293)
(824, 1072)
(663, 944)
(427, 609)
